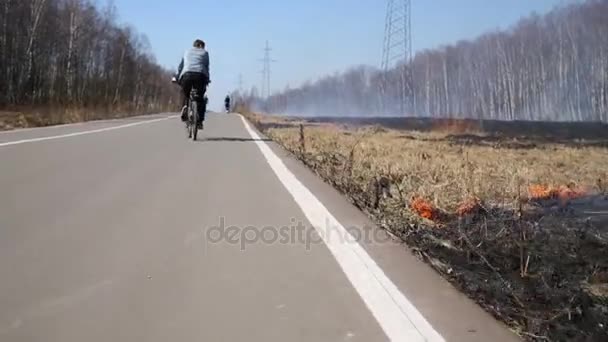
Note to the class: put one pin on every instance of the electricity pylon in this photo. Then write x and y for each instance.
(266, 71)
(397, 51)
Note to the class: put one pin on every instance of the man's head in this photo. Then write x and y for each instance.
(199, 44)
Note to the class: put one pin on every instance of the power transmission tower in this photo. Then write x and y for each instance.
(397, 33)
(266, 71)
(397, 50)
(240, 83)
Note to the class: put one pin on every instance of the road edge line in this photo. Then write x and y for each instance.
(80, 123)
(61, 136)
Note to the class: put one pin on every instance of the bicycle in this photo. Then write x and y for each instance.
(194, 113)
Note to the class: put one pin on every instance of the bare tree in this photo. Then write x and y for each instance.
(551, 67)
(70, 53)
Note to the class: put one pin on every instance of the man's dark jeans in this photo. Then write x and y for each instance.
(197, 81)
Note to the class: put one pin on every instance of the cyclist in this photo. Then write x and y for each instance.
(227, 103)
(193, 72)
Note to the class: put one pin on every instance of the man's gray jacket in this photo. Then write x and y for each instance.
(194, 60)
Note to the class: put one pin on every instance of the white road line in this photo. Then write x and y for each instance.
(24, 141)
(397, 316)
(19, 130)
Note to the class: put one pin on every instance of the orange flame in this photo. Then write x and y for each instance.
(541, 192)
(423, 208)
(469, 206)
(564, 193)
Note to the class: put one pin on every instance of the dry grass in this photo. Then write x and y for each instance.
(446, 173)
(497, 217)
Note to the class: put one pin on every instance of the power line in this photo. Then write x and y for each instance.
(397, 48)
(266, 71)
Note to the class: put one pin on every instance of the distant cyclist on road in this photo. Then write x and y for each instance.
(193, 72)
(227, 103)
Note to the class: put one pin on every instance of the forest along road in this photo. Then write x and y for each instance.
(127, 231)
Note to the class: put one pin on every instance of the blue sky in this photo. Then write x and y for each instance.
(310, 38)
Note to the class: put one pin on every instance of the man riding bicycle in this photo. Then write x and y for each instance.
(193, 72)
(227, 103)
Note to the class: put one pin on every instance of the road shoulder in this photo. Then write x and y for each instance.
(451, 313)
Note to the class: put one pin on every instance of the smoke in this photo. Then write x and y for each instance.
(551, 68)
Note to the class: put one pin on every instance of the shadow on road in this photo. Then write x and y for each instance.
(230, 139)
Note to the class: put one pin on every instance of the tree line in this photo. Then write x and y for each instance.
(552, 68)
(72, 53)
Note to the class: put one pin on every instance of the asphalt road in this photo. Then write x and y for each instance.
(126, 231)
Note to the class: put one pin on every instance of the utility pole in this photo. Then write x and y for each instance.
(240, 83)
(266, 91)
(397, 51)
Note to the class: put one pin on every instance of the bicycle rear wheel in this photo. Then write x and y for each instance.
(188, 121)
(194, 122)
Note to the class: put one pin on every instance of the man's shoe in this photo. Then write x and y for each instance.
(185, 114)
(200, 125)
